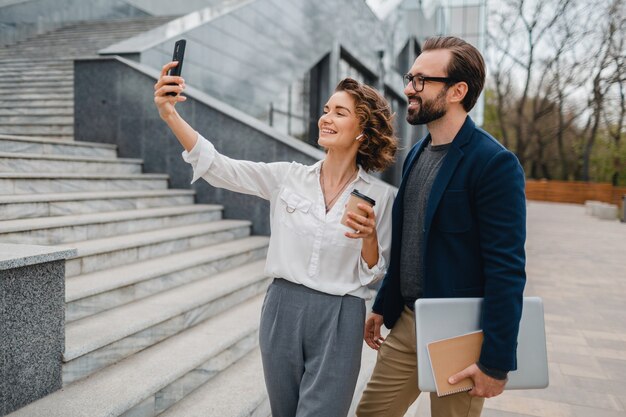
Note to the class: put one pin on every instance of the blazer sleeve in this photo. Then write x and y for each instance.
(501, 212)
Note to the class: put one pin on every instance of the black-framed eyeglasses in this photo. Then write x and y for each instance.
(419, 80)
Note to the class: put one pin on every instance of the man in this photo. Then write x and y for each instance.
(458, 231)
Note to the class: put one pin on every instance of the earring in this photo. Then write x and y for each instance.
(359, 137)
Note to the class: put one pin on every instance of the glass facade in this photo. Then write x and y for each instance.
(289, 113)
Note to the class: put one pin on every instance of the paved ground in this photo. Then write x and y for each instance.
(577, 264)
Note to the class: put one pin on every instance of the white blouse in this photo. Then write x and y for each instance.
(307, 245)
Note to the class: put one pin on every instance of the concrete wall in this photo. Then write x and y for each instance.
(32, 323)
(114, 104)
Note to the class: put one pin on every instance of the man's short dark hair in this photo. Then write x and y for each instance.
(466, 64)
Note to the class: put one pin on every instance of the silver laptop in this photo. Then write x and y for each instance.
(441, 318)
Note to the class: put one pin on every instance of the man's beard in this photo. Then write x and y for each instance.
(428, 110)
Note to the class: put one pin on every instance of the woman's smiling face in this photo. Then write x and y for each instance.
(339, 125)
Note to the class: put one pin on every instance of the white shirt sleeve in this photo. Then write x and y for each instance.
(255, 178)
(371, 275)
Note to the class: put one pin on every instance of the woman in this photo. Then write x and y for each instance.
(313, 315)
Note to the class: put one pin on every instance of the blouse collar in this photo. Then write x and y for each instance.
(362, 174)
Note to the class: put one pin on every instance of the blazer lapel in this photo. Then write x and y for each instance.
(450, 162)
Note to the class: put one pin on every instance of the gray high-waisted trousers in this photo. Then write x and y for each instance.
(311, 350)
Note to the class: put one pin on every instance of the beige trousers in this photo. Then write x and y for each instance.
(393, 385)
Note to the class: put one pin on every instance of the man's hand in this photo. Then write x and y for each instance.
(372, 331)
(484, 385)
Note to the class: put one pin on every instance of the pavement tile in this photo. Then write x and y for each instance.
(555, 376)
(597, 335)
(607, 386)
(576, 264)
(594, 412)
(529, 406)
(560, 330)
(619, 345)
(566, 340)
(574, 359)
(615, 369)
(583, 371)
(572, 396)
(488, 412)
(587, 350)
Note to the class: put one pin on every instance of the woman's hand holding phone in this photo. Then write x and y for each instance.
(168, 84)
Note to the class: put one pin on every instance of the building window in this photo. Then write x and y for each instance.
(289, 112)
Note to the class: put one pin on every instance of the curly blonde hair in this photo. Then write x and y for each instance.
(378, 150)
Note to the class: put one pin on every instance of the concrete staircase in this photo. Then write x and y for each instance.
(164, 296)
(38, 74)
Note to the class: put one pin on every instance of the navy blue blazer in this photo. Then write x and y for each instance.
(474, 229)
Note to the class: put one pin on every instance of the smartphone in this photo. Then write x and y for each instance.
(179, 55)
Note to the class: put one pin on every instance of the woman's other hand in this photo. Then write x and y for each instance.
(365, 227)
(165, 104)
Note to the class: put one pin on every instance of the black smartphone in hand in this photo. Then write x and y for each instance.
(179, 55)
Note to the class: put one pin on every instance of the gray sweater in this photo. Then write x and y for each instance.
(418, 186)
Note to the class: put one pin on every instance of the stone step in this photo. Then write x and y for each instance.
(87, 35)
(15, 66)
(91, 33)
(51, 146)
(151, 380)
(73, 228)
(22, 88)
(36, 120)
(36, 111)
(67, 77)
(66, 131)
(24, 183)
(34, 63)
(17, 96)
(138, 23)
(238, 391)
(99, 254)
(24, 206)
(37, 103)
(106, 338)
(92, 293)
(79, 46)
(39, 74)
(15, 70)
(44, 62)
(24, 162)
(52, 48)
(22, 84)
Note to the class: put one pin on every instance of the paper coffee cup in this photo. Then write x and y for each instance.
(355, 198)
